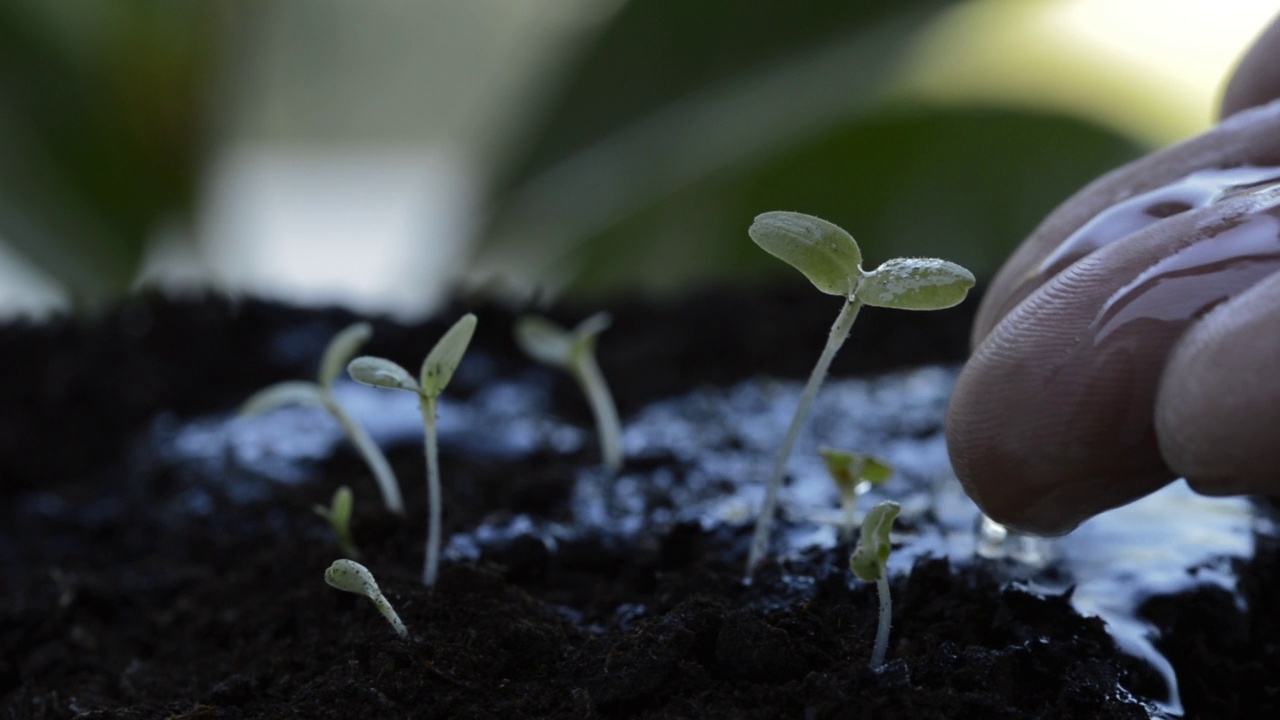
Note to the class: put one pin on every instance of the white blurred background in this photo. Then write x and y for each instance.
(351, 142)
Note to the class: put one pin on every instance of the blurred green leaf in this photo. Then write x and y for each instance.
(965, 184)
(443, 360)
(672, 93)
(99, 130)
(657, 54)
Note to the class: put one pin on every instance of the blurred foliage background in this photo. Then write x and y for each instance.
(383, 154)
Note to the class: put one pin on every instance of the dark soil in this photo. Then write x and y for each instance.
(119, 600)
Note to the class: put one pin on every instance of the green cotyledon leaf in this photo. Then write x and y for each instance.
(916, 284)
(869, 558)
(821, 250)
(437, 369)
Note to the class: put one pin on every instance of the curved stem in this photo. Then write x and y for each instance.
(886, 615)
(764, 523)
(431, 563)
(602, 407)
(373, 457)
(384, 606)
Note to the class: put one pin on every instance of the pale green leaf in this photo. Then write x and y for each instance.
(341, 506)
(588, 329)
(442, 361)
(585, 334)
(849, 468)
(544, 341)
(382, 373)
(916, 284)
(292, 392)
(869, 558)
(840, 465)
(822, 251)
(338, 515)
(352, 577)
(341, 349)
(876, 471)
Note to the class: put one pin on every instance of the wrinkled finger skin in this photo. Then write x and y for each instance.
(1102, 371)
(1218, 405)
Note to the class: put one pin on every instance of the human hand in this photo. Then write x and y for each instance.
(1134, 337)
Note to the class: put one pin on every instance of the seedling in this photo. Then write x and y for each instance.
(574, 352)
(341, 349)
(832, 261)
(437, 371)
(339, 516)
(854, 475)
(868, 563)
(353, 577)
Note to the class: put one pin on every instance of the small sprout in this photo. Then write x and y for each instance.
(341, 349)
(339, 516)
(868, 563)
(382, 373)
(353, 577)
(574, 352)
(437, 371)
(831, 259)
(854, 475)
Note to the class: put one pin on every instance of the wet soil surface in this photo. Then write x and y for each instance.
(135, 585)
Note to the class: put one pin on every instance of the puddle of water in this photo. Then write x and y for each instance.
(1168, 542)
(283, 444)
(706, 456)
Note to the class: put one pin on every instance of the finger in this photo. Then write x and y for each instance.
(1140, 194)
(1256, 79)
(1051, 421)
(1218, 407)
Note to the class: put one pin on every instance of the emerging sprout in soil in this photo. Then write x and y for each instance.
(854, 474)
(832, 261)
(574, 352)
(339, 516)
(437, 371)
(341, 349)
(868, 563)
(353, 577)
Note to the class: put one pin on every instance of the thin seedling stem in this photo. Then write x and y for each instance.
(764, 522)
(603, 408)
(431, 563)
(849, 504)
(368, 449)
(882, 630)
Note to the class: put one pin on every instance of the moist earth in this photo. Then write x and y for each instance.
(135, 586)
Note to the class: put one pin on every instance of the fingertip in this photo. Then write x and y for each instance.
(1052, 418)
(1256, 77)
(1218, 405)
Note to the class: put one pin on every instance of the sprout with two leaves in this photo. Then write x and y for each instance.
(350, 576)
(868, 563)
(338, 514)
(854, 474)
(436, 372)
(832, 261)
(574, 352)
(341, 349)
